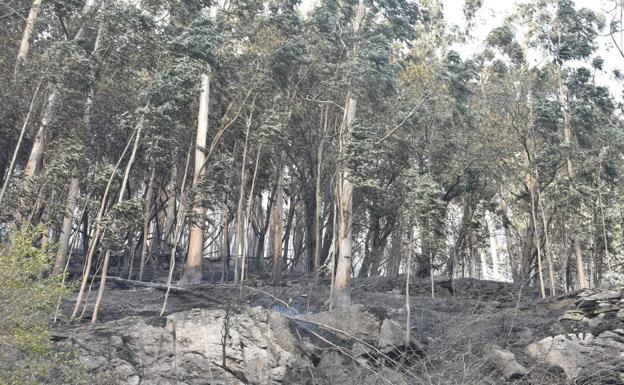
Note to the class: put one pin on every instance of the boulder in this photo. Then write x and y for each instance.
(580, 354)
(505, 362)
(188, 347)
(392, 338)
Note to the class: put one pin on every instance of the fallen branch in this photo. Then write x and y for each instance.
(161, 287)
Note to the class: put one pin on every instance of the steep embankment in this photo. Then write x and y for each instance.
(486, 333)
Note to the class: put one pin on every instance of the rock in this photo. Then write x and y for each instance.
(592, 300)
(573, 315)
(392, 336)
(352, 321)
(578, 354)
(188, 348)
(605, 295)
(505, 362)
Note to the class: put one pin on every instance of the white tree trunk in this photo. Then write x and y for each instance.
(341, 292)
(28, 30)
(18, 146)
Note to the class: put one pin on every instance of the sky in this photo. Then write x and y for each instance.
(493, 12)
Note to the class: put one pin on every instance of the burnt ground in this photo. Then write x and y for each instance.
(455, 329)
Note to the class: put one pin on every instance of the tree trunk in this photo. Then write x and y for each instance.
(98, 228)
(491, 225)
(193, 269)
(149, 199)
(508, 236)
(240, 216)
(423, 259)
(226, 242)
(329, 231)
(567, 141)
(28, 30)
(35, 160)
(549, 256)
(531, 185)
(317, 193)
(248, 244)
(289, 224)
(74, 188)
(278, 224)
(124, 184)
(18, 146)
(170, 211)
(394, 260)
(247, 222)
(341, 293)
(310, 234)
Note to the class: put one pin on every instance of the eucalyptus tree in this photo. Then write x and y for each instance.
(566, 35)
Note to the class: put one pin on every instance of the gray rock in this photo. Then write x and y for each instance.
(579, 353)
(505, 362)
(188, 348)
(354, 321)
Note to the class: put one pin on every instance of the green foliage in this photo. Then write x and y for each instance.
(199, 41)
(123, 218)
(27, 298)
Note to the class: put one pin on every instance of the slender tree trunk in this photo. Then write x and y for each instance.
(98, 228)
(35, 160)
(122, 190)
(289, 224)
(394, 260)
(278, 224)
(170, 215)
(341, 295)
(148, 217)
(567, 141)
(491, 224)
(317, 193)
(74, 189)
(26, 36)
(548, 252)
(507, 228)
(327, 239)
(226, 242)
(177, 232)
(408, 270)
(18, 146)
(240, 213)
(537, 240)
(298, 239)
(602, 219)
(260, 249)
(310, 235)
(247, 222)
(193, 269)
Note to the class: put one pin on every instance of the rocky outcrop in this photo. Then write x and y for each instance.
(592, 352)
(193, 347)
(583, 357)
(242, 346)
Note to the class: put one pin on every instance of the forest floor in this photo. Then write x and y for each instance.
(453, 334)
